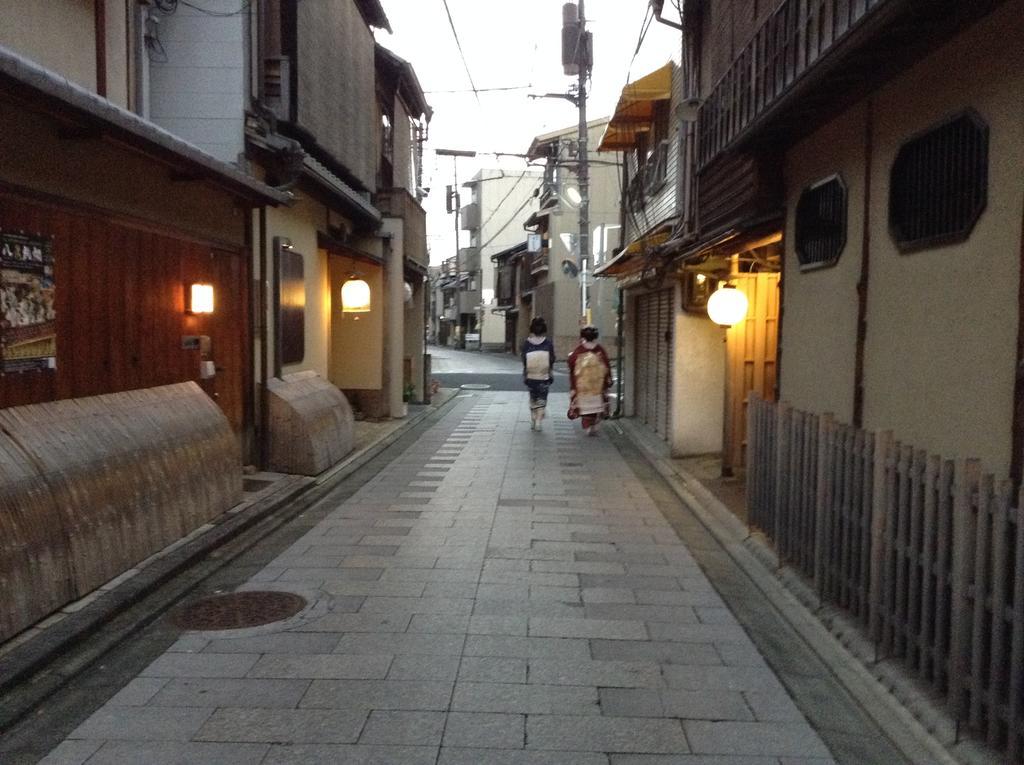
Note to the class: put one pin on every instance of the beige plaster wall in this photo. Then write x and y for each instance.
(356, 347)
(698, 384)
(57, 34)
(819, 325)
(299, 224)
(942, 324)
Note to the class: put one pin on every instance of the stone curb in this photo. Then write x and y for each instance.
(754, 557)
(20, 687)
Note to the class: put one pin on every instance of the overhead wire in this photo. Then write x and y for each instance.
(508, 223)
(504, 199)
(462, 54)
(480, 90)
(246, 4)
(169, 7)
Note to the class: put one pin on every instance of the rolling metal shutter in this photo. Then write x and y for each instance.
(653, 377)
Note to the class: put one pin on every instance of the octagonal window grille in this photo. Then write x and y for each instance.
(821, 224)
(939, 184)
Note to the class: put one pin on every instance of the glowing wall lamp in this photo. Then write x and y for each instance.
(355, 296)
(200, 298)
(727, 306)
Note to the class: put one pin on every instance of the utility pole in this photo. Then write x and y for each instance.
(453, 205)
(583, 171)
(577, 59)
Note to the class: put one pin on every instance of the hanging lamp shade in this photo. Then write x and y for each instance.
(727, 306)
(355, 296)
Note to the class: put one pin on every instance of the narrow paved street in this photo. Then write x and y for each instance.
(496, 371)
(493, 596)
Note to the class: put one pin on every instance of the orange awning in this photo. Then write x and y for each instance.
(635, 111)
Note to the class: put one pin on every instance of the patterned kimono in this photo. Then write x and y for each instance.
(590, 376)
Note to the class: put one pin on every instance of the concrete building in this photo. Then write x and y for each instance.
(499, 202)
(552, 285)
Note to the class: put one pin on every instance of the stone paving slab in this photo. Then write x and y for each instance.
(493, 596)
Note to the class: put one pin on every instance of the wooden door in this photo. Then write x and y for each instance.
(752, 353)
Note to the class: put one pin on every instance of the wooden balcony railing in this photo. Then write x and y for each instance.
(789, 43)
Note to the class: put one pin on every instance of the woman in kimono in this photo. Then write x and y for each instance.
(538, 359)
(590, 377)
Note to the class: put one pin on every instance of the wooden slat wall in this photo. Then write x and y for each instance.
(121, 311)
(927, 554)
(752, 346)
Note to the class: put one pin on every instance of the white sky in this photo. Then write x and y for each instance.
(510, 43)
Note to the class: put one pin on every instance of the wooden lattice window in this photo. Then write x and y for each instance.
(939, 184)
(821, 223)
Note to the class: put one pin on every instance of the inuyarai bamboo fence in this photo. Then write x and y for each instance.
(926, 554)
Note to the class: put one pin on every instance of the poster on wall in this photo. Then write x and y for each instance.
(28, 327)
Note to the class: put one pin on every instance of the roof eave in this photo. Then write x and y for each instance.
(60, 97)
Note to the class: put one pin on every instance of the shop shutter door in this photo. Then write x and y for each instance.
(653, 360)
(664, 360)
(641, 355)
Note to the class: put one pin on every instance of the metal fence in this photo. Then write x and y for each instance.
(926, 554)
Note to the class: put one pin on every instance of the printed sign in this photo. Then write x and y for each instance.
(28, 326)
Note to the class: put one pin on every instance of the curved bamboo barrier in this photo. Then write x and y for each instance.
(311, 424)
(90, 487)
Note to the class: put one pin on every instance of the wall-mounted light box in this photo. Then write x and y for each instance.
(199, 298)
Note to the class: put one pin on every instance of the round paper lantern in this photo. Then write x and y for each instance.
(355, 296)
(727, 306)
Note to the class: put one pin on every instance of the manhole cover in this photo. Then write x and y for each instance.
(238, 609)
(475, 386)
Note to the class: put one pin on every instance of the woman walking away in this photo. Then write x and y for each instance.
(538, 359)
(590, 377)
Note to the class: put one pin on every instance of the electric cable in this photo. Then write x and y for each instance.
(508, 223)
(220, 14)
(505, 198)
(462, 54)
(480, 90)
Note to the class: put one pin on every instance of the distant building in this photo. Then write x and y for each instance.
(500, 201)
(553, 276)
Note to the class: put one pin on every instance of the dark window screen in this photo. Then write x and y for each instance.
(821, 224)
(291, 308)
(939, 184)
